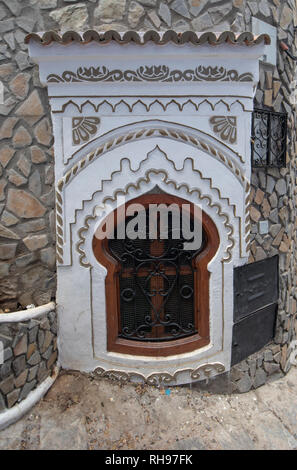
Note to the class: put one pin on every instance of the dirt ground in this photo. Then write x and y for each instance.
(82, 413)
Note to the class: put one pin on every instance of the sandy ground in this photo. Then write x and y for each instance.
(82, 413)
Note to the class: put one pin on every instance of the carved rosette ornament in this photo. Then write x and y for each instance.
(225, 127)
(83, 128)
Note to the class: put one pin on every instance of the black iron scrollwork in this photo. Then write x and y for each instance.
(156, 287)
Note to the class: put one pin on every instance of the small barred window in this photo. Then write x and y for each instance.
(269, 139)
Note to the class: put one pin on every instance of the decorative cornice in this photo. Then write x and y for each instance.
(153, 73)
(204, 371)
(141, 38)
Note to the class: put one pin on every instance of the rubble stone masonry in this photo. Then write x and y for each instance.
(29, 351)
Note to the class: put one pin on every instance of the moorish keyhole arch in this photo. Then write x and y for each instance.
(157, 293)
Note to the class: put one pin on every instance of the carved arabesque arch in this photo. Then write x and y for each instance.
(207, 144)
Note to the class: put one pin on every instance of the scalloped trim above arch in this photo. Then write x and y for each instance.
(147, 107)
(165, 180)
(198, 139)
(203, 371)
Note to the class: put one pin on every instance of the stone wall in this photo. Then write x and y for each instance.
(27, 259)
(274, 198)
(27, 252)
(30, 354)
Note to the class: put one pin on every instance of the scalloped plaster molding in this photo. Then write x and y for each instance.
(12, 415)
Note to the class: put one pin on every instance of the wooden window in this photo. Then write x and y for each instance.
(157, 293)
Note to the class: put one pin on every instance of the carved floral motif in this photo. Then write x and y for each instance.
(118, 140)
(154, 73)
(225, 127)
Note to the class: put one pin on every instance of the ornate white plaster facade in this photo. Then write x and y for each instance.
(128, 117)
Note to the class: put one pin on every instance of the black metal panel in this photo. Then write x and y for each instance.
(252, 333)
(255, 286)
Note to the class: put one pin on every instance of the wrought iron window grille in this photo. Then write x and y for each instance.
(269, 138)
(156, 281)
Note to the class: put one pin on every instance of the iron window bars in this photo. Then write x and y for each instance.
(269, 138)
(156, 284)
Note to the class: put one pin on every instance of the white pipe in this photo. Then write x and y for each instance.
(12, 415)
(25, 315)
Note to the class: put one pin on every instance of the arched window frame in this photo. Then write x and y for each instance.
(201, 291)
